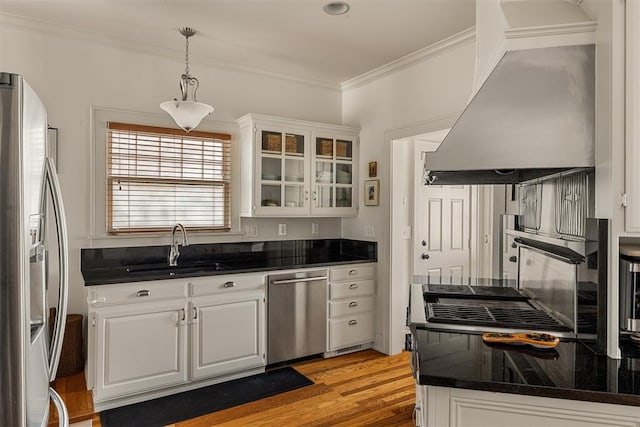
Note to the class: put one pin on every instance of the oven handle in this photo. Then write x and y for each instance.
(562, 254)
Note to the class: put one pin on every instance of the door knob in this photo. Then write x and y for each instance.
(425, 256)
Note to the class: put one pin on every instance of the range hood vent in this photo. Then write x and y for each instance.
(533, 116)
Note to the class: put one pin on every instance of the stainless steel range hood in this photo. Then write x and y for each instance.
(533, 116)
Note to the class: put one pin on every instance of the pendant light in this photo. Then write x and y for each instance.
(187, 112)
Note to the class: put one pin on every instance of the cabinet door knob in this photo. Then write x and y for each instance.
(353, 322)
(229, 285)
(424, 256)
(353, 286)
(513, 258)
(184, 314)
(424, 243)
(143, 293)
(353, 304)
(195, 312)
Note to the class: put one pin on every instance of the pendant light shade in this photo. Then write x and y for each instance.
(187, 112)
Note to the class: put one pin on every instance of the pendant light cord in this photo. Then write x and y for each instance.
(186, 57)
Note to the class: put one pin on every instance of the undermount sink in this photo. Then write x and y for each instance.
(178, 269)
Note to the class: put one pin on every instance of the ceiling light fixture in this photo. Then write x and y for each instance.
(188, 112)
(336, 8)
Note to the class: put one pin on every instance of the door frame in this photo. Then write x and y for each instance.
(395, 298)
(401, 221)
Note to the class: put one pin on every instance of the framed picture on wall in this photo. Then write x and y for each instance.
(372, 192)
(373, 169)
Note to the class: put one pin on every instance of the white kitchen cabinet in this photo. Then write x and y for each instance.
(139, 347)
(632, 138)
(351, 301)
(227, 333)
(297, 168)
(420, 410)
(146, 337)
(462, 407)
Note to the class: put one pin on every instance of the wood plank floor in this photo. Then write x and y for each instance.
(366, 388)
(73, 390)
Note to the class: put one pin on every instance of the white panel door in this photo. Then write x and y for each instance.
(140, 347)
(228, 333)
(441, 247)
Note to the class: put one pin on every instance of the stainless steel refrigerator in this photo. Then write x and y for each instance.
(28, 355)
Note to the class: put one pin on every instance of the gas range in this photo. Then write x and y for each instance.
(481, 308)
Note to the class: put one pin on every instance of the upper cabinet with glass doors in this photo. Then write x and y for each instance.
(332, 173)
(297, 168)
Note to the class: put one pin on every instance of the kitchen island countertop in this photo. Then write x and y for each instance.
(570, 371)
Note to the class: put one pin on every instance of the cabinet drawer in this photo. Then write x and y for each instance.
(350, 306)
(351, 289)
(227, 283)
(352, 273)
(137, 292)
(350, 331)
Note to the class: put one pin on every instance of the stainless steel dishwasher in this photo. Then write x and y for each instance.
(297, 315)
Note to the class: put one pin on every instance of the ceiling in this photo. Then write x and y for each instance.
(293, 38)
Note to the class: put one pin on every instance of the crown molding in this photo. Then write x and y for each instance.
(48, 28)
(450, 43)
(552, 30)
(287, 122)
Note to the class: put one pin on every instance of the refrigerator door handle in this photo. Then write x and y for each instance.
(63, 260)
(63, 414)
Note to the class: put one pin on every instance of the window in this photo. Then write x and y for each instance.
(157, 177)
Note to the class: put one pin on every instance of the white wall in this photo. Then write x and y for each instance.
(609, 140)
(424, 92)
(70, 75)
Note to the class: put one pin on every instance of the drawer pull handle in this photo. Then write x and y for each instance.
(353, 304)
(353, 322)
(229, 285)
(353, 286)
(353, 272)
(143, 293)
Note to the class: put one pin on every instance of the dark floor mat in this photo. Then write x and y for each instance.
(194, 403)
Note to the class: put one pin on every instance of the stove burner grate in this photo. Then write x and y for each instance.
(466, 291)
(498, 317)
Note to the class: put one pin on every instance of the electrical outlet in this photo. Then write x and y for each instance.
(314, 228)
(282, 229)
(251, 230)
(368, 231)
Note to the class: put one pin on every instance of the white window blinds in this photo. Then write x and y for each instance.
(157, 177)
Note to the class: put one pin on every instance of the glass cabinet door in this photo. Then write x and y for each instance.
(282, 171)
(333, 173)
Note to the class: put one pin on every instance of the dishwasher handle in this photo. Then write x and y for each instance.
(302, 279)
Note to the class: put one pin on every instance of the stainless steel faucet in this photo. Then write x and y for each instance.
(175, 252)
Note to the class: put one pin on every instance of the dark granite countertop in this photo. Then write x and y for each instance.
(134, 264)
(570, 371)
